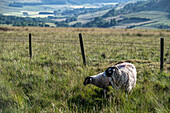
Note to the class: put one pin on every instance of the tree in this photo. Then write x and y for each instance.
(71, 19)
(79, 24)
(25, 13)
(113, 22)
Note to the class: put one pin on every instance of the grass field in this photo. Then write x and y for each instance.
(52, 81)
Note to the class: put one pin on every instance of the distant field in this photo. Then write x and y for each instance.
(159, 16)
(89, 17)
(158, 13)
(17, 11)
(52, 81)
(148, 14)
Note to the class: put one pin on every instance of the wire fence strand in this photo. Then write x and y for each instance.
(130, 44)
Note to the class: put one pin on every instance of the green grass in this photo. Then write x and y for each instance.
(52, 81)
(158, 16)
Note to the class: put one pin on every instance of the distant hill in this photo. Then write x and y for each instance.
(140, 6)
(40, 2)
(158, 11)
(160, 5)
(21, 3)
(145, 14)
(149, 5)
(84, 1)
(96, 1)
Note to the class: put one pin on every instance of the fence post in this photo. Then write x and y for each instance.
(161, 54)
(82, 49)
(30, 46)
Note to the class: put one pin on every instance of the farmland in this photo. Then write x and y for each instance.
(148, 14)
(52, 80)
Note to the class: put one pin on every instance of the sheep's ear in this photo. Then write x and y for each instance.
(87, 80)
(109, 71)
(116, 70)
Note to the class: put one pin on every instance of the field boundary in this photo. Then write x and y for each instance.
(159, 47)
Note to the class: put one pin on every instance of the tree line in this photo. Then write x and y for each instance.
(42, 22)
(24, 21)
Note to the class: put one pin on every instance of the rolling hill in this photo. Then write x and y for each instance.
(141, 14)
(160, 5)
(156, 11)
(10, 6)
(65, 1)
(153, 5)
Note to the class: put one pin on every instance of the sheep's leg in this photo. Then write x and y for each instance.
(127, 91)
(112, 81)
(126, 96)
(105, 92)
(114, 86)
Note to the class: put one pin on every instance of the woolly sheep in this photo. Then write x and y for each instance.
(99, 81)
(122, 76)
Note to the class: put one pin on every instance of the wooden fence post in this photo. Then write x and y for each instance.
(30, 46)
(82, 49)
(161, 54)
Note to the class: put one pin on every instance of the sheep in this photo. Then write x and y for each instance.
(122, 76)
(99, 81)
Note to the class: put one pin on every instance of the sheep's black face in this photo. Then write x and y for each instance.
(87, 80)
(109, 71)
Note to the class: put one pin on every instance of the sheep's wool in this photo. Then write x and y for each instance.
(123, 76)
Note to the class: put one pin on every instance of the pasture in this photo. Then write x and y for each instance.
(52, 80)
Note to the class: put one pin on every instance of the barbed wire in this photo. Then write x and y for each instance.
(21, 39)
(130, 44)
(56, 41)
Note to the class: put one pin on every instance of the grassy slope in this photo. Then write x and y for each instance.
(158, 12)
(157, 17)
(52, 81)
(161, 5)
(90, 16)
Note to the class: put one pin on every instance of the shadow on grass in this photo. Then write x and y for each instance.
(5, 105)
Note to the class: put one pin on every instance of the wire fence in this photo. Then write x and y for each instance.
(153, 47)
(73, 41)
(130, 44)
